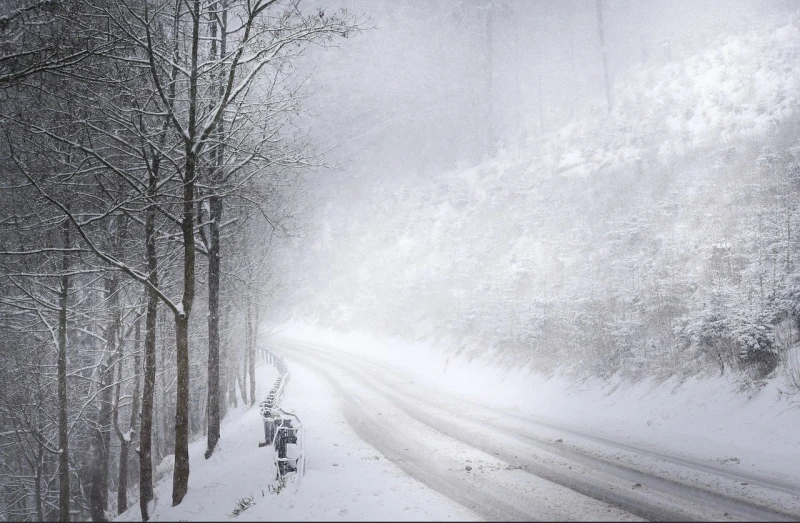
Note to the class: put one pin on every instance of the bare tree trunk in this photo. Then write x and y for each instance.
(215, 204)
(490, 138)
(253, 339)
(603, 51)
(125, 440)
(180, 478)
(225, 371)
(247, 344)
(216, 207)
(242, 378)
(232, 372)
(98, 497)
(148, 391)
(252, 367)
(124, 451)
(63, 430)
(180, 475)
(232, 387)
(164, 427)
(122, 486)
(38, 483)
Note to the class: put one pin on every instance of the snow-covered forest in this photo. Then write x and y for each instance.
(648, 229)
(150, 161)
(606, 189)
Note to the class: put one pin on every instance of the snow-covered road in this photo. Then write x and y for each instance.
(504, 465)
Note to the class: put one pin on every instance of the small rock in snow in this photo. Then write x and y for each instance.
(468, 468)
(559, 440)
(637, 485)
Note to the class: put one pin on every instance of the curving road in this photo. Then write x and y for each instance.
(505, 466)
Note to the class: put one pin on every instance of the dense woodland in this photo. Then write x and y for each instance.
(149, 165)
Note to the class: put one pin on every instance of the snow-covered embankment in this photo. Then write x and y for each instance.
(345, 478)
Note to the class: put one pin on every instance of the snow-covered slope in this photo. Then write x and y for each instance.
(744, 85)
(657, 240)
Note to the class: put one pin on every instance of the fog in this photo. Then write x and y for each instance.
(443, 214)
(482, 192)
(426, 84)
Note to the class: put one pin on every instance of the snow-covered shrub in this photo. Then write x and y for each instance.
(706, 333)
(792, 299)
(242, 504)
(753, 333)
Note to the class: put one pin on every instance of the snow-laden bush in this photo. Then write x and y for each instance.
(792, 299)
(753, 332)
(242, 504)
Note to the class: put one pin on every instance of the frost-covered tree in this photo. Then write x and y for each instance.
(127, 152)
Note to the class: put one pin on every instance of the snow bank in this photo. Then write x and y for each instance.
(237, 469)
(703, 418)
(345, 478)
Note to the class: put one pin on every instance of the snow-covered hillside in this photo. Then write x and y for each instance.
(744, 86)
(658, 240)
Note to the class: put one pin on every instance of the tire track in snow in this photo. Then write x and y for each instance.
(660, 498)
(500, 493)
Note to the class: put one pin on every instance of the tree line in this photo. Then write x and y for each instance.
(149, 162)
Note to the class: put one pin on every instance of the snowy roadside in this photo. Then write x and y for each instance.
(237, 469)
(704, 419)
(345, 479)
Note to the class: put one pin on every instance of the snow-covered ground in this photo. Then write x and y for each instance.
(505, 463)
(345, 478)
(706, 419)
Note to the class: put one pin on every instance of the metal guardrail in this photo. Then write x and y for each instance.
(283, 430)
(289, 453)
(276, 393)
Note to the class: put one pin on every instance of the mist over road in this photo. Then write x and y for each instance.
(504, 465)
